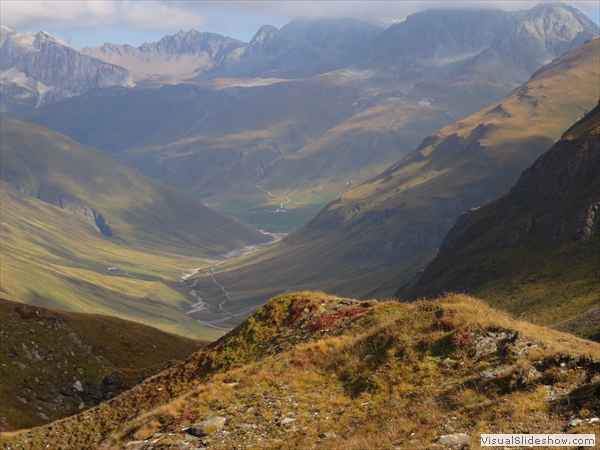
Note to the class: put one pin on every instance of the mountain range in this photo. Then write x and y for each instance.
(453, 154)
(310, 139)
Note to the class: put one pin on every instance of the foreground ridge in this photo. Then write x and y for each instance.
(309, 370)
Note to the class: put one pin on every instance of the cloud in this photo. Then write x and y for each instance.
(140, 15)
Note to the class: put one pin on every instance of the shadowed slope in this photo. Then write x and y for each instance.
(534, 251)
(119, 201)
(55, 361)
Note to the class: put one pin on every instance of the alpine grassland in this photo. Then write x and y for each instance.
(312, 370)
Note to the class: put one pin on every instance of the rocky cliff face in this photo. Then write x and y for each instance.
(39, 69)
(173, 58)
(547, 225)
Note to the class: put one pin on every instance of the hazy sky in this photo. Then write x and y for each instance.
(83, 23)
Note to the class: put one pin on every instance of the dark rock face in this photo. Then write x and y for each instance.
(44, 69)
(91, 214)
(555, 201)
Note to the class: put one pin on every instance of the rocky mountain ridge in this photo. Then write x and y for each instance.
(302, 48)
(173, 58)
(486, 43)
(39, 69)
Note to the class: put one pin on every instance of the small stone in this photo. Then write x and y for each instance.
(593, 420)
(82, 405)
(328, 435)
(368, 358)
(413, 442)
(77, 386)
(575, 423)
(207, 426)
(43, 416)
(496, 372)
(286, 421)
(449, 429)
(455, 439)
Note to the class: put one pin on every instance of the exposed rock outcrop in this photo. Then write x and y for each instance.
(39, 69)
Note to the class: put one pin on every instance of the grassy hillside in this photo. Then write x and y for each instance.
(376, 236)
(307, 140)
(54, 258)
(535, 250)
(45, 352)
(313, 371)
(124, 204)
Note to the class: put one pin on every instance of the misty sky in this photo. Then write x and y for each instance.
(82, 23)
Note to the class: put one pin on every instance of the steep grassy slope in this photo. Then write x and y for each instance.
(106, 216)
(46, 352)
(376, 236)
(123, 204)
(313, 371)
(535, 251)
(54, 258)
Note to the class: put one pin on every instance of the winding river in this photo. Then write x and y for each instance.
(200, 304)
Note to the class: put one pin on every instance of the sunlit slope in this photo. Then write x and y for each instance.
(534, 251)
(309, 370)
(376, 236)
(122, 203)
(54, 258)
(45, 352)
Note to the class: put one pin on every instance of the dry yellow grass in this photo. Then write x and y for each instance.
(353, 375)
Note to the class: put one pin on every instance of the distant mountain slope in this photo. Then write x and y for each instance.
(56, 363)
(499, 45)
(314, 371)
(534, 251)
(70, 212)
(304, 47)
(119, 201)
(54, 258)
(173, 58)
(376, 236)
(39, 69)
